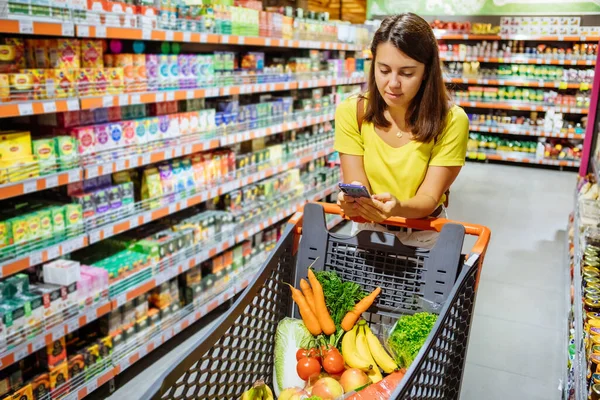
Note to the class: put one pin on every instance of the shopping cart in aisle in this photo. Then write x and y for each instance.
(239, 351)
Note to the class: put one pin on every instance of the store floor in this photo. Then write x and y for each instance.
(518, 338)
(517, 344)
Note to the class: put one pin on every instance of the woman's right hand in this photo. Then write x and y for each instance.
(346, 203)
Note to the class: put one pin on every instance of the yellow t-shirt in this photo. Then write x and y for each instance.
(400, 171)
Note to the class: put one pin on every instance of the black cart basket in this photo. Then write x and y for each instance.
(239, 351)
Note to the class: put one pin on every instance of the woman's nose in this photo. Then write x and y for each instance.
(395, 81)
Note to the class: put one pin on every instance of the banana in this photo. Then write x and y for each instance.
(381, 357)
(268, 393)
(350, 353)
(363, 349)
(259, 391)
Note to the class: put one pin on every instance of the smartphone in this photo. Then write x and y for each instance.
(354, 190)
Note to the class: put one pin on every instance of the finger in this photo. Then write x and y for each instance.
(369, 213)
(382, 197)
(356, 183)
(372, 203)
(349, 199)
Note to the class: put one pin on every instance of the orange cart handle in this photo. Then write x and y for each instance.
(426, 224)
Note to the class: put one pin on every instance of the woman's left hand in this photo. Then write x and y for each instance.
(378, 208)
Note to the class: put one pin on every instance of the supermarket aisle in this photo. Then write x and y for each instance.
(516, 350)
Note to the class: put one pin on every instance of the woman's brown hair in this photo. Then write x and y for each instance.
(426, 114)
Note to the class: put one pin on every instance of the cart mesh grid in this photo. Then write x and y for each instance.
(239, 351)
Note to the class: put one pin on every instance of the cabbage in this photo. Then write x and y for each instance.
(291, 335)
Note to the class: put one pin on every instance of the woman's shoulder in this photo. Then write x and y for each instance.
(456, 114)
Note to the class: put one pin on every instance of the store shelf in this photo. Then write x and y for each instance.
(579, 363)
(518, 130)
(91, 102)
(193, 37)
(518, 60)
(507, 105)
(441, 35)
(518, 82)
(190, 146)
(26, 26)
(55, 332)
(9, 190)
(98, 234)
(205, 254)
(21, 263)
(57, 28)
(518, 158)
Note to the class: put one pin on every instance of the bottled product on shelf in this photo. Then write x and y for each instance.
(551, 124)
(525, 96)
(513, 50)
(519, 72)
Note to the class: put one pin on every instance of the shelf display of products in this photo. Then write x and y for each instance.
(542, 149)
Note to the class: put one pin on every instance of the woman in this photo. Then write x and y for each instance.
(402, 139)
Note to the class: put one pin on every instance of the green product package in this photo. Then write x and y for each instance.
(34, 225)
(57, 213)
(73, 215)
(66, 151)
(45, 152)
(5, 234)
(46, 228)
(19, 229)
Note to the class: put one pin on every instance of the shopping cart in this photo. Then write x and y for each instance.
(239, 351)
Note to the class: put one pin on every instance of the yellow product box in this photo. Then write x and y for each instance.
(85, 81)
(5, 234)
(15, 145)
(125, 61)
(19, 229)
(4, 87)
(115, 80)
(19, 45)
(100, 81)
(91, 53)
(22, 86)
(38, 82)
(68, 54)
(18, 170)
(60, 83)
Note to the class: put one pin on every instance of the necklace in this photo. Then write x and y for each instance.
(399, 134)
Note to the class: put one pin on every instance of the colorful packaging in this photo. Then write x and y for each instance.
(185, 71)
(163, 127)
(152, 72)
(40, 386)
(60, 83)
(15, 145)
(21, 86)
(100, 80)
(164, 72)
(125, 61)
(115, 135)
(86, 137)
(45, 151)
(73, 215)
(174, 129)
(57, 214)
(34, 226)
(151, 185)
(102, 135)
(139, 72)
(194, 117)
(86, 201)
(66, 149)
(129, 137)
(116, 80)
(152, 129)
(68, 54)
(19, 46)
(45, 223)
(85, 81)
(184, 123)
(140, 131)
(5, 234)
(173, 62)
(38, 81)
(76, 365)
(24, 393)
(91, 53)
(109, 61)
(114, 114)
(5, 87)
(59, 375)
(101, 200)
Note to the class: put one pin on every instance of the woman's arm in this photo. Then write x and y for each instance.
(383, 206)
(353, 170)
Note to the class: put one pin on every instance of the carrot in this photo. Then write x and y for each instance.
(353, 315)
(320, 307)
(308, 293)
(382, 389)
(309, 318)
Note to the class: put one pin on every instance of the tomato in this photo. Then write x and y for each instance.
(315, 353)
(301, 353)
(333, 362)
(307, 367)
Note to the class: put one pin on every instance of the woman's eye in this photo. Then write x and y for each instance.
(407, 75)
(384, 72)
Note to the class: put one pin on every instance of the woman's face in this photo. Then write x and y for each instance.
(398, 76)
